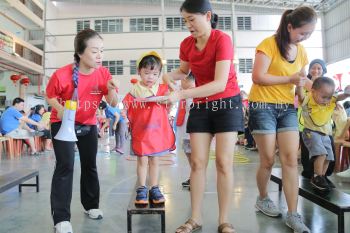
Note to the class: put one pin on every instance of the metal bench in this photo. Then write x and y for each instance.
(14, 178)
(335, 200)
(147, 209)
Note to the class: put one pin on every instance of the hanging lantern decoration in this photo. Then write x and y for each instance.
(25, 80)
(14, 78)
(133, 80)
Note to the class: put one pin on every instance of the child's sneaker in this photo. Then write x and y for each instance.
(319, 182)
(294, 221)
(141, 195)
(186, 183)
(330, 183)
(156, 196)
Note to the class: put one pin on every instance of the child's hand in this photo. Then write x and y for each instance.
(298, 79)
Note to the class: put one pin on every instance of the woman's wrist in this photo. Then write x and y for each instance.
(183, 94)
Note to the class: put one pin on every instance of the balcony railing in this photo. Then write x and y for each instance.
(28, 54)
(34, 8)
(36, 35)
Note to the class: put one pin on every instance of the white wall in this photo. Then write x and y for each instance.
(11, 27)
(129, 46)
(337, 32)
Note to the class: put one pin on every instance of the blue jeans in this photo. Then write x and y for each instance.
(269, 118)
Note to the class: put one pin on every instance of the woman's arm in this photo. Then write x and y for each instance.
(178, 74)
(222, 69)
(112, 96)
(56, 105)
(261, 77)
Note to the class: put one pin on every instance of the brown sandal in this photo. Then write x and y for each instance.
(189, 227)
(229, 228)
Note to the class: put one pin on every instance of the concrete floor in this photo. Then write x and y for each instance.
(29, 212)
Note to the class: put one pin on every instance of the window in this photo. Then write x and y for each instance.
(115, 67)
(172, 64)
(133, 69)
(83, 24)
(175, 24)
(109, 25)
(245, 65)
(244, 23)
(144, 24)
(224, 23)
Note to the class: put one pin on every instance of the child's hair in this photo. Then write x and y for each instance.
(49, 108)
(321, 81)
(80, 42)
(200, 7)
(150, 61)
(298, 17)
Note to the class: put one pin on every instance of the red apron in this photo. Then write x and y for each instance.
(151, 132)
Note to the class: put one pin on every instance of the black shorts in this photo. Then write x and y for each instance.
(217, 116)
(47, 134)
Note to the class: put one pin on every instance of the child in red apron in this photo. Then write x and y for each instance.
(151, 133)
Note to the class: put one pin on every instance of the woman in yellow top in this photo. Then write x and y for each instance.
(278, 68)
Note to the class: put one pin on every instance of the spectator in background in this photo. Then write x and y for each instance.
(10, 123)
(346, 105)
(37, 115)
(116, 124)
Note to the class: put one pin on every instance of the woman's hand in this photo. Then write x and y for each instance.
(173, 97)
(113, 84)
(170, 82)
(298, 79)
(60, 112)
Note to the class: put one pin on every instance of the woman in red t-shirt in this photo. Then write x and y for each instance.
(217, 109)
(93, 82)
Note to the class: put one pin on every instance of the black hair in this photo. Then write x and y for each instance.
(200, 7)
(102, 105)
(49, 108)
(321, 81)
(151, 62)
(17, 100)
(346, 104)
(80, 42)
(297, 18)
(37, 108)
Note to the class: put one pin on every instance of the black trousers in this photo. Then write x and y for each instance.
(62, 180)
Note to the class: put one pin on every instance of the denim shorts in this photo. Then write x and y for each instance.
(217, 116)
(268, 118)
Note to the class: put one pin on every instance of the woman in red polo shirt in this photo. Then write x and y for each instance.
(92, 82)
(217, 109)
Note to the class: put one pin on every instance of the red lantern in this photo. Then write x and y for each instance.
(14, 78)
(25, 80)
(133, 80)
